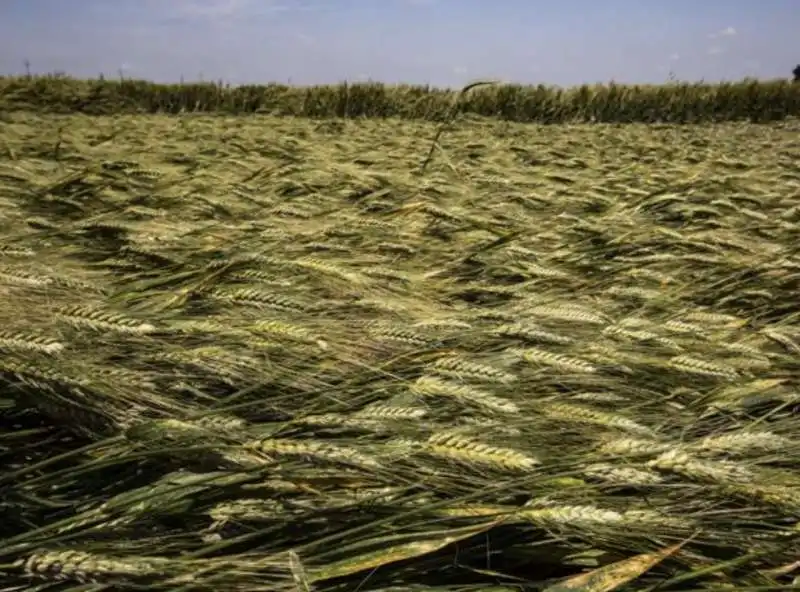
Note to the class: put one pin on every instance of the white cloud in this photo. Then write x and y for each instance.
(726, 32)
(197, 9)
(214, 10)
(715, 50)
(211, 8)
(460, 70)
(304, 38)
(674, 57)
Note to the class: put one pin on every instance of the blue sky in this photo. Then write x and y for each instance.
(442, 42)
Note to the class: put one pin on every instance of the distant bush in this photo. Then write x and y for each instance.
(611, 103)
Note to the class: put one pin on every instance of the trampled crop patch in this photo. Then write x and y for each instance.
(254, 353)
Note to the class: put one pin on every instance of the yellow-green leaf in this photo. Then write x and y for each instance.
(610, 577)
(387, 555)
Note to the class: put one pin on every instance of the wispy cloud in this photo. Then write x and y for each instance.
(204, 9)
(726, 32)
(304, 38)
(718, 48)
(210, 11)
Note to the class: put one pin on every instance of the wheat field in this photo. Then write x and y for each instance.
(270, 354)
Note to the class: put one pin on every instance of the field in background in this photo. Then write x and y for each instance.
(244, 354)
(676, 102)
